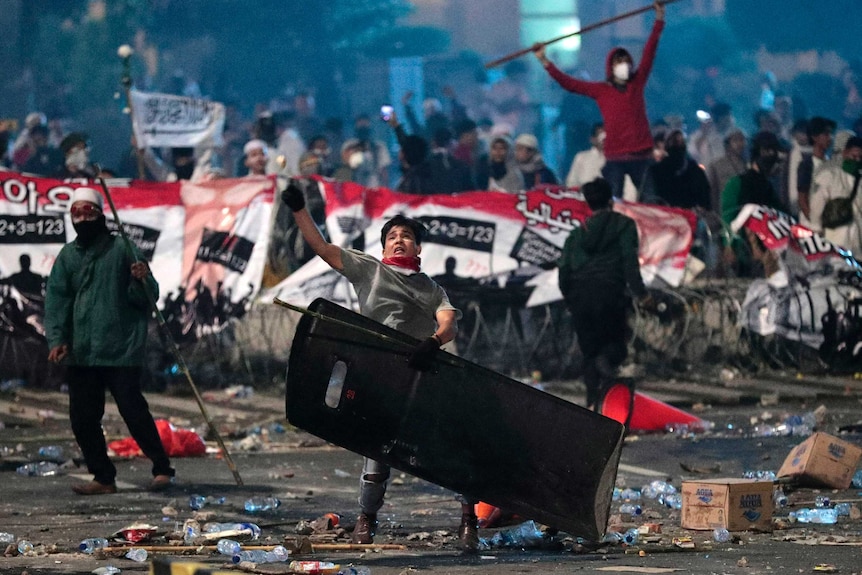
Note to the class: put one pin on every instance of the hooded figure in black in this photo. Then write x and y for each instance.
(677, 180)
(599, 270)
(754, 186)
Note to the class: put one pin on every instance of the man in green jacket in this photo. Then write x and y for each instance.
(599, 270)
(96, 313)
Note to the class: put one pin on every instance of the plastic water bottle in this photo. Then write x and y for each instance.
(721, 535)
(801, 424)
(631, 509)
(824, 516)
(7, 538)
(657, 488)
(258, 504)
(526, 534)
(228, 547)
(191, 531)
(106, 570)
(613, 538)
(253, 529)
(137, 554)
(91, 544)
(631, 536)
(759, 474)
(629, 494)
(197, 502)
(51, 452)
(842, 509)
(24, 546)
(856, 482)
(253, 556)
(12, 384)
(672, 500)
(38, 469)
(277, 555)
(779, 499)
(822, 501)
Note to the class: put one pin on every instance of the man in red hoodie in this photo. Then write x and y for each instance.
(629, 143)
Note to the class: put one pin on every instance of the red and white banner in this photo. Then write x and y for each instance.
(810, 298)
(216, 232)
(779, 231)
(484, 234)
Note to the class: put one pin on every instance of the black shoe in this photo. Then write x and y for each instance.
(468, 532)
(366, 526)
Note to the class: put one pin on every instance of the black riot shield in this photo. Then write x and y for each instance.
(461, 426)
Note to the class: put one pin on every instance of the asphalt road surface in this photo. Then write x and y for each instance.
(312, 478)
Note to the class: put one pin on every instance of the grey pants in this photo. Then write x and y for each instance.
(372, 487)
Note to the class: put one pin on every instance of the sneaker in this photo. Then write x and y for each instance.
(468, 532)
(94, 488)
(161, 482)
(366, 526)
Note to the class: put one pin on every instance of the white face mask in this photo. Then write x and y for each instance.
(78, 159)
(621, 71)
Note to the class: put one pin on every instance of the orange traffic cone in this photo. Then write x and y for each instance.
(487, 514)
(646, 413)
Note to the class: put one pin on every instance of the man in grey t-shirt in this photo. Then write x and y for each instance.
(395, 293)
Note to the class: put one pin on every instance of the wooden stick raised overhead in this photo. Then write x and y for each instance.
(623, 16)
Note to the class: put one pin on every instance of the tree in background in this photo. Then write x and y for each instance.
(246, 52)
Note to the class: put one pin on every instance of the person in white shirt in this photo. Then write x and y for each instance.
(587, 165)
(290, 148)
(838, 181)
(706, 144)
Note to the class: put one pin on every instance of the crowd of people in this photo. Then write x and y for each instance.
(447, 149)
(799, 166)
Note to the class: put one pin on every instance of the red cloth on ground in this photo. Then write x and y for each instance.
(177, 442)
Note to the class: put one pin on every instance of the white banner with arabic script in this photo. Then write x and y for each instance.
(176, 121)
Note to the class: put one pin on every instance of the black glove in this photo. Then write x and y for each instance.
(293, 196)
(422, 356)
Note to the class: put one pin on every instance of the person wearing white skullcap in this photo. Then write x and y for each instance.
(256, 156)
(531, 162)
(96, 315)
(87, 195)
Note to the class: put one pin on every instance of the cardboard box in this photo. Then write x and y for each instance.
(733, 503)
(822, 460)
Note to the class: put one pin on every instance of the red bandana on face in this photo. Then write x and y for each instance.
(408, 262)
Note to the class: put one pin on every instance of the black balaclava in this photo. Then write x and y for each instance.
(90, 230)
(498, 170)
